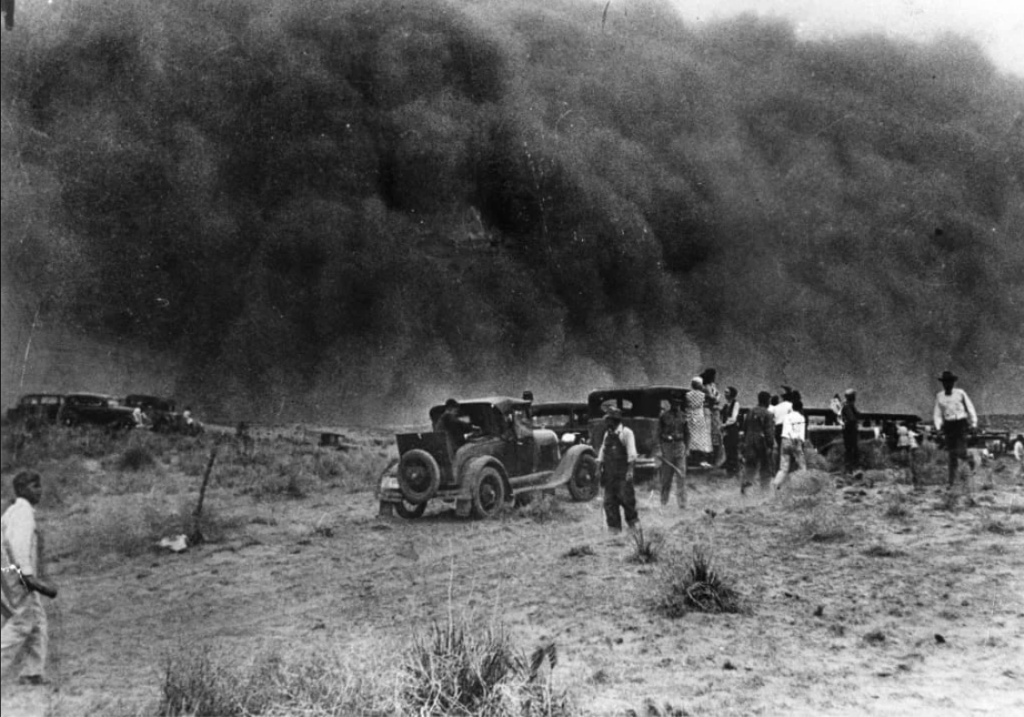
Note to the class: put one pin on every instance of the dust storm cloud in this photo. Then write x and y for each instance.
(330, 210)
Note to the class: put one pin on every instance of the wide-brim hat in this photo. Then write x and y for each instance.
(948, 376)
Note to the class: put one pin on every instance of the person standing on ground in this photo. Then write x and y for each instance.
(758, 439)
(25, 629)
(615, 460)
(731, 432)
(673, 434)
(794, 433)
(712, 414)
(850, 417)
(954, 416)
(700, 432)
(779, 409)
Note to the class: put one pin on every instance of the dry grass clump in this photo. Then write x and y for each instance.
(646, 548)
(456, 669)
(896, 506)
(540, 508)
(824, 525)
(199, 682)
(687, 585)
(880, 550)
(135, 458)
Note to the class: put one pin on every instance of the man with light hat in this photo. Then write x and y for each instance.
(615, 459)
(953, 415)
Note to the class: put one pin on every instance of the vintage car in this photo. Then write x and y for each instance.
(504, 458)
(35, 409)
(161, 413)
(641, 408)
(568, 420)
(96, 409)
(824, 431)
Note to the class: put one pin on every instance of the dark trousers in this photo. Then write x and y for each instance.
(8, 9)
(731, 443)
(619, 493)
(851, 450)
(954, 435)
(758, 460)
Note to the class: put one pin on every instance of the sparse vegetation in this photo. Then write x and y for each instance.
(694, 584)
(646, 548)
(825, 524)
(541, 508)
(456, 669)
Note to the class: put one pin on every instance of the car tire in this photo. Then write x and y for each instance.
(419, 476)
(488, 493)
(410, 511)
(584, 484)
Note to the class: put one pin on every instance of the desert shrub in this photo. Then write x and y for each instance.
(693, 584)
(458, 669)
(135, 458)
(198, 681)
(880, 550)
(646, 548)
(825, 524)
(579, 551)
(991, 524)
(896, 506)
(541, 508)
(814, 460)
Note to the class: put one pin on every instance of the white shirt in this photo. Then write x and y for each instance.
(625, 435)
(18, 536)
(1018, 451)
(954, 407)
(780, 410)
(794, 426)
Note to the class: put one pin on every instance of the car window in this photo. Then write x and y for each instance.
(549, 420)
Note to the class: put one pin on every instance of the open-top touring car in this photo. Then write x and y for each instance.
(504, 458)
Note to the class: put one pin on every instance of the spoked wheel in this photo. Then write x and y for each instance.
(584, 484)
(410, 511)
(489, 495)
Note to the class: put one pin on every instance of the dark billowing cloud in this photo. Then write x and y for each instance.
(319, 207)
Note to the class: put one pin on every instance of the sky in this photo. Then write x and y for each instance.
(997, 25)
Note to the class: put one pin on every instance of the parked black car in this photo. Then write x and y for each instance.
(35, 409)
(567, 419)
(96, 409)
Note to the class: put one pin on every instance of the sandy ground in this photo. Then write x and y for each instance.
(921, 615)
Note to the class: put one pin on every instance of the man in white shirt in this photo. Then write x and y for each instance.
(953, 415)
(615, 459)
(779, 410)
(25, 626)
(794, 433)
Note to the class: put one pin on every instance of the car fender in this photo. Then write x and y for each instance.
(563, 472)
(471, 474)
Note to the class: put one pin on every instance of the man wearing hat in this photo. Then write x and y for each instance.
(850, 417)
(674, 435)
(615, 460)
(953, 415)
(452, 426)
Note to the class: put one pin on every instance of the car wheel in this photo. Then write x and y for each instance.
(489, 494)
(410, 511)
(584, 484)
(419, 476)
(69, 419)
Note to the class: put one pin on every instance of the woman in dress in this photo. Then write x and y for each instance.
(696, 420)
(712, 408)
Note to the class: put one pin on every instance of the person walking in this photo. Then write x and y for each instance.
(696, 421)
(780, 406)
(954, 416)
(850, 418)
(25, 630)
(731, 432)
(615, 460)
(758, 439)
(794, 433)
(673, 433)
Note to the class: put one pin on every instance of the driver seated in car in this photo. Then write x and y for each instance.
(452, 425)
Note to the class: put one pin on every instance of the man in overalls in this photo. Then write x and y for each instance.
(615, 459)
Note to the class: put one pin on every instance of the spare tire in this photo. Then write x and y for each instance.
(419, 476)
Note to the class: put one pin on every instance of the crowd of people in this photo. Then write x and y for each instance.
(703, 426)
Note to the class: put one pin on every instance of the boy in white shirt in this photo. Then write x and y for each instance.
(794, 433)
